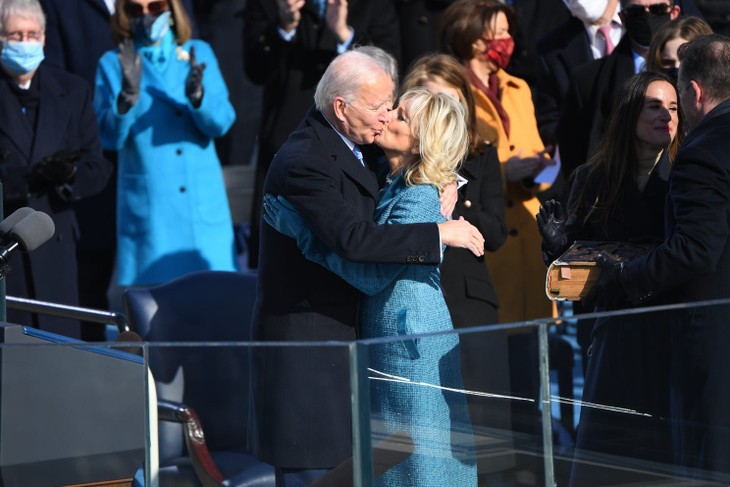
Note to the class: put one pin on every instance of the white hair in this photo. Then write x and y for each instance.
(344, 77)
(27, 9)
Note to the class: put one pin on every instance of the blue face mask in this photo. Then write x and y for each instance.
(21, 57)
(149, 29)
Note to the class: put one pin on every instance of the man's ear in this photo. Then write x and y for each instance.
(338, 106)
(698, 93)
(673, 12)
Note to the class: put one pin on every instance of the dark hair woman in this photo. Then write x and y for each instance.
(619, 195)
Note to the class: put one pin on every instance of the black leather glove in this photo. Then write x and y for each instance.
(131, 75)
(607, 293)
(552, 223)
(57, 169)
(194, 80)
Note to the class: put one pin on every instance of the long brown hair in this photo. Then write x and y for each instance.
(687, 28)
(618, 151)
(121, 27)
(445, 68)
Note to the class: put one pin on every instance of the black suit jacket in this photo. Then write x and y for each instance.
(465, 279)
(591, 96)
(419, 28)
(560, 52)
(304, 394)
(65, 120)
(289, 71)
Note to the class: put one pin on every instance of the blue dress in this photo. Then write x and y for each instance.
(415, 384)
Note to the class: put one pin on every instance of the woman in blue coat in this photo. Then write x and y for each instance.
(416, 384)
(160, 101)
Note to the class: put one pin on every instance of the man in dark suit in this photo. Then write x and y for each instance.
(288, 44)
(50, 157)
(693, 263)
(303, 394)
(571, 44)
(594, 86)
(419, 28)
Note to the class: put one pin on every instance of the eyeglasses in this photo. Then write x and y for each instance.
(34, 35)
(135, 10)
(640, 10)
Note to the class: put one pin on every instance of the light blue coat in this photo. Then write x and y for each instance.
(416, 384)
(172, 210)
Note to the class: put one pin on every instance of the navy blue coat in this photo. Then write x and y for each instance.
(693, 264)
(66, 120)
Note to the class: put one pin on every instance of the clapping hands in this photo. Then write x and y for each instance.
(194, 80)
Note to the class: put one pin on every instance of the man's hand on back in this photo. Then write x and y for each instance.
(461, 233)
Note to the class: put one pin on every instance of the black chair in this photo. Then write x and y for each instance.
(201, 388)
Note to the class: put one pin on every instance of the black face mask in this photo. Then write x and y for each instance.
(672, 73)
(641, 28)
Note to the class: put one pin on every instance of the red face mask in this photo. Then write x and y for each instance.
(499, 51)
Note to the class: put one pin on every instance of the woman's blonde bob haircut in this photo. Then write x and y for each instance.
(121, 28)
(438, 123)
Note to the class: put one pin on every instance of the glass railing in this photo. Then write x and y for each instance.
(492, 405)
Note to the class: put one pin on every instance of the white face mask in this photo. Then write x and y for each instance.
(587, 10)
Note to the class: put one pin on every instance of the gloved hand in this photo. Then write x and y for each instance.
(57, 169)
(552, 223)
(284, 217)
(194, 80)
(131, 75)
(607, 292)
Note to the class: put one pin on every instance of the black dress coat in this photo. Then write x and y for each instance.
(588, 103)
(628, 361)
(419, 28)
(560, 52)
(472, 301)
(303, 395)
(65, 120)
(693, 264)
(289, 71)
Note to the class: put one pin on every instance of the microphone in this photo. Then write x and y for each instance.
(29, 233)
(7, 225)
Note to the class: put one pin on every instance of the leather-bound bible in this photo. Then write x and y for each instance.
(572, 275)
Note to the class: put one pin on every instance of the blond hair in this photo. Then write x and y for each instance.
(438, 122)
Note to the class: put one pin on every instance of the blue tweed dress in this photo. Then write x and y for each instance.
(415, 384)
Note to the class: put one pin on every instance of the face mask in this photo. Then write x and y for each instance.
(21, 57)
(641, 28)
(149, 29)
(588, 11)
(499, 51)
(672, 73)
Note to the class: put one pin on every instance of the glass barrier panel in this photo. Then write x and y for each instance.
(71, 413)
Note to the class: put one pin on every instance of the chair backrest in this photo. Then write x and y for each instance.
(208, 306)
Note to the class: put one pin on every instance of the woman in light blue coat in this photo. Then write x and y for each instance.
(160, 101)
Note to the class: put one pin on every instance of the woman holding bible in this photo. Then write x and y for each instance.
(619, 195)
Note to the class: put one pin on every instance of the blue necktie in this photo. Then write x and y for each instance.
(320, 4)
(358, 153)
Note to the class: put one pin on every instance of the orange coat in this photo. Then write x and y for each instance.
(517, 269)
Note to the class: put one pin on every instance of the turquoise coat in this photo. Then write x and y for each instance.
(416, 385)
(172, 210)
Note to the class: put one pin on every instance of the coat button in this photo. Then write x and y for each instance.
(511, 147)
(182, 189)
(178, 151)
(510, 203)
(467, 204)
(513, 232)
(423, 19)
